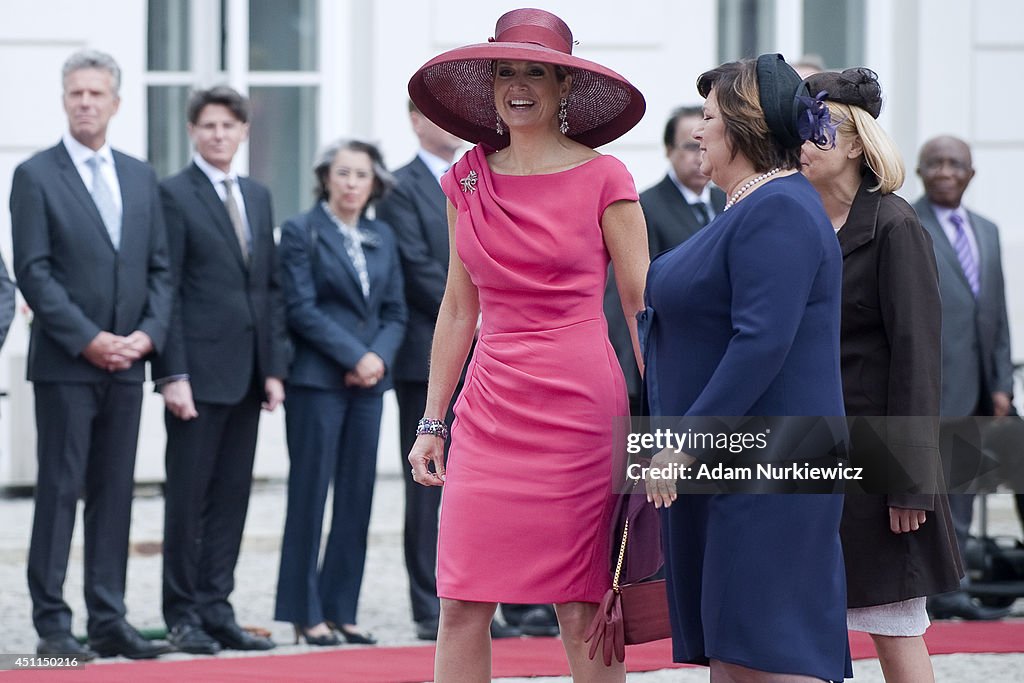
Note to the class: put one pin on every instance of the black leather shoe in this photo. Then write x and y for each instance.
(234, 637)
(64, 644)
(326, 640)
(193, 640)
(500, 630)
(540, 622)
(426, 629)
(961, 605)
(121, 639)
(354, 637)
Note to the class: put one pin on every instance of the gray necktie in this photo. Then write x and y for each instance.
(700, 209)
(236, 219)
(104, 200)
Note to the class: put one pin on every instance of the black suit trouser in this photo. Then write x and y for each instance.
(421, 508)
(209, 463)
(87, 435)
(959, 442)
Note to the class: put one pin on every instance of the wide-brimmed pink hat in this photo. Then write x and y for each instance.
(455, 90)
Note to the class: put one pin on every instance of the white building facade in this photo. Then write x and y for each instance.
(319, 69)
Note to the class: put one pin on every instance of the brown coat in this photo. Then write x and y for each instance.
(891, 365)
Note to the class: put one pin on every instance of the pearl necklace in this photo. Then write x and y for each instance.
(749, 184)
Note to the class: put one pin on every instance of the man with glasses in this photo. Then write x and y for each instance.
(977, 373)
(675, 209)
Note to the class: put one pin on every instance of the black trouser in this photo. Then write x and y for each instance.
(206, 496)
(421, 508)
(87, 435)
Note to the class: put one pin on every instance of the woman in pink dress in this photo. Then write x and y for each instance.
(535, 215)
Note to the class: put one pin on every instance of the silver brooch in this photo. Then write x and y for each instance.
(469, 182)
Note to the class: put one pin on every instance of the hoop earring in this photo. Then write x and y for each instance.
(563, 124)
(499, 126)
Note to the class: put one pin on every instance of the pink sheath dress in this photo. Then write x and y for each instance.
(526, 503)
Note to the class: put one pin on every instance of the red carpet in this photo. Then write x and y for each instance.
(514, 657)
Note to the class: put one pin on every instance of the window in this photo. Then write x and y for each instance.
(746, 28)
(835, 31)
(268, 50)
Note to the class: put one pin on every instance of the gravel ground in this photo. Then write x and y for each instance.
(384, 606)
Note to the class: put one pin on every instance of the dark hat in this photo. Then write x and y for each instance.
(857, 87)
(784, 99)
(455, 90)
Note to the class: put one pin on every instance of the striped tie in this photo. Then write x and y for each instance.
(964, 254)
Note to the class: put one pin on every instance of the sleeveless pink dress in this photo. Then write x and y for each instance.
(527, 500)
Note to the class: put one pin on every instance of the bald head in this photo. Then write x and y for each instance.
(946, 169)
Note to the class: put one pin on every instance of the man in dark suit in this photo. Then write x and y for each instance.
(90, 256)
(416, 211)
(226, 355)
(7, 298)
(977, 372)
(675, 209)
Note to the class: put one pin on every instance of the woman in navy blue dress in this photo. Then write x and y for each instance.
(743, 320)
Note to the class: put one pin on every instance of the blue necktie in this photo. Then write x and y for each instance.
(104, 200)
(962, 246)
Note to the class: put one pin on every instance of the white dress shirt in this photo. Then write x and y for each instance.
(80, 155)
(435, 164)
(217, 177)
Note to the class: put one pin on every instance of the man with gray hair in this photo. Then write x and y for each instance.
(90, 255)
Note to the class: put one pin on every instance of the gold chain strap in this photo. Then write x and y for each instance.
(622, 556)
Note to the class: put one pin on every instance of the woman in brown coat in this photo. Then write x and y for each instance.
(899, 547)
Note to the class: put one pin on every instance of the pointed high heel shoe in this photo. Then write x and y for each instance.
(353, 637)
(324, 640)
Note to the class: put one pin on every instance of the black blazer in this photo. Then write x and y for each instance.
(331, 324)
(228, 319)
(416, 209)
(74, 280)
(7, 298)
(670, 220)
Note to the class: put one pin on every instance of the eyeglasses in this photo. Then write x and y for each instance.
(937, 165)
(688, 146)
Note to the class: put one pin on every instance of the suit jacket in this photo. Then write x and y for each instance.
(71, 276)
(670, 222)
(332, 324)
(976, 357)
(228, 318)
(7, 297)
(416, 209)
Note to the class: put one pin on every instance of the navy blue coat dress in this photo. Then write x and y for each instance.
(743, 320)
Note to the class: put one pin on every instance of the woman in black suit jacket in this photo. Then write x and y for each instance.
(342, 283)
(898, 546)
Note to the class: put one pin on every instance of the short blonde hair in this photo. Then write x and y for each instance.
(881, 155)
